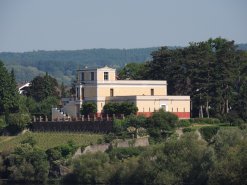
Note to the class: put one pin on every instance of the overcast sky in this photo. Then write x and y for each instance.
(27, 25)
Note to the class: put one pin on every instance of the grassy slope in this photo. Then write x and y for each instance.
(49, 139)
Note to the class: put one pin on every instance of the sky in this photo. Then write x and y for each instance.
(27, 25)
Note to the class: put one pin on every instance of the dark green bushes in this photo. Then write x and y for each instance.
(187, 160)
(187, 130)
(124, 153)
(159, 126)
(125, 108)
(208, 132)
(88, 108)
(205, 120)
(183, 123)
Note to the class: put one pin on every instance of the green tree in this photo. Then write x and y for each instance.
(132, 71)
(42, 87)
(125, 108)
(8, 91)
(17, 122)
(88, 108)
(27, 163)
(161, 124)
(89, 168)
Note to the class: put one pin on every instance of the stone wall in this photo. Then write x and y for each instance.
(118, 143)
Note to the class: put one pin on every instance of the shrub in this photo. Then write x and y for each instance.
(208, 132)
(2, 124)
(243, 126)
(124, 153)
(119, 125)
(205, 120)
(183, 123)
(88, 108)
(17, 122)
(161, 124)
(125, 108)
(187, 130)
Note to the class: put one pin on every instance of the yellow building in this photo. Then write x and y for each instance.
(99, 85)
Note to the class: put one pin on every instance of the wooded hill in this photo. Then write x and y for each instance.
(63, 64)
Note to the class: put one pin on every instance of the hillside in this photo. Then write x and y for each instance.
(62, 64)
(54, 138)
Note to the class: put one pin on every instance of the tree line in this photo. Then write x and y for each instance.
(213, 73)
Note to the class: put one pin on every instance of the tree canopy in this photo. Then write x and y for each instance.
(43, 87)
(8, 91)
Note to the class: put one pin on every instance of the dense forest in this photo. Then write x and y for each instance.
(213, 73)
(63, 64)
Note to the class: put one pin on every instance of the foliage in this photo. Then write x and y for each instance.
(2, 124)
(208, 132)
(89, 168)
(16, 122)
(48, 140)
(27, 163)
(63, 64)
(124, 153)
(42, 87)
(205, 120)
(161, 124)
(132, 71)
(183, 123)
(188, 129)
(125, 108)
(231, 164)
(8, 92)
(44, 107)
(88, 108)
(29, 140)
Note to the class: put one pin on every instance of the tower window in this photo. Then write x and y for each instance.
(152, 92)
(92, 76)
(111, 92)
(82, 93)
(106, 76)
(82, 76)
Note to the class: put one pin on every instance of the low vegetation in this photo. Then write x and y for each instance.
(48, 140)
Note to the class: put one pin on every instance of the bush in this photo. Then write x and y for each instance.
(17, 122)
(183, 123)
(88, 108)
(243, 126)
(208, 132)
(2, 124)
(187, 130)
(124, 153)
(205, 120)
(161, 125)
(120, 108)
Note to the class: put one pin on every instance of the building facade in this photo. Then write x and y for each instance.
(100, 85)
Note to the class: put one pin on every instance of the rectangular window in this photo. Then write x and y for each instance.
(106, 76)
(163, 107)
(82, 93)
(77, 93)
(82, 76)
(152, 92)
(92, 76)
(111, 92)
